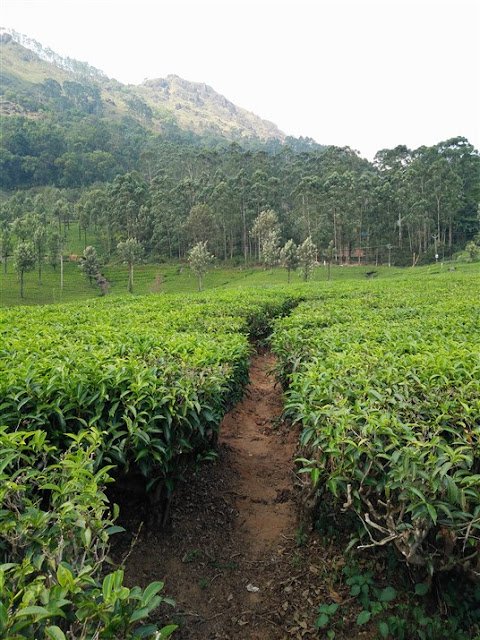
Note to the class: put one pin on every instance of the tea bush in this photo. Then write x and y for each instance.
(154, 376)
(55, 524)
(386, 383)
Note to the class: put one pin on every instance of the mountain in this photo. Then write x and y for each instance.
(31, 76)
(201, 109)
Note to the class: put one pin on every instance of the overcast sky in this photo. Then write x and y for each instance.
(367, 74)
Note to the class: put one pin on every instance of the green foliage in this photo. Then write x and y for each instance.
(265, 231)
(473, 251)
(89, 265)
(24, 257)
(5, 244)
(289, 256)
(131, 252)
(271, 250)
(140, 383)
(306, 257)
(54, 530)
(154, 376)
(117, 180)
(200, 259)
(201, 225)
(24, 260)
(402, 615)
(386, 386)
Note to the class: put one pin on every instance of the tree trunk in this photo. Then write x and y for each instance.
(244, 231)
(438, 216)
(335, 234)
(130, 278)
(21, 284)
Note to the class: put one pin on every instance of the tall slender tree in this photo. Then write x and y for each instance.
(131, 252)
(289, 257)
(24, 260)
(200, 259)
(306, 257)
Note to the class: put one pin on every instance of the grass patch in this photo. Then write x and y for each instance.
(178, 278)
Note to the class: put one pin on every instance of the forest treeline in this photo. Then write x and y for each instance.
(173, 190)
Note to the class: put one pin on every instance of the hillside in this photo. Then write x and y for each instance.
(27, 69)
(172, 163)
(201, 109)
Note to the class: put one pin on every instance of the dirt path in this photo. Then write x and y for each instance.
(262, 459)
(231, 559)
(234, 559)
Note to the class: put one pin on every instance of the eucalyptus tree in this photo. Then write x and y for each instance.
(144, 227)
(5, 243)
(200, 259)
(307, 252)
(289, 257)
(260, 190)
(464, 159)
(423, 179)
(392, 165)
(23, 229)
(82, 215)
(444, 189)
(201, 225)
(89, 264)
(39, 243)
(328, 254)
(343, 212)
(131, 252)
(61, 210)
(40, 210)
(126, 195)
(94, 203)
(308, 199)
(241, 186)
(166, 211)
(265, 228)
(417, 218)
(53, 246)
(24, 260)
(221, 200)
(271, 249)
(365, 222)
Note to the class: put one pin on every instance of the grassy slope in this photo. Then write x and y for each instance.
(177, 278)
(168, 278)
(25, 64)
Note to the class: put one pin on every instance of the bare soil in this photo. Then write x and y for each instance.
(234, 558)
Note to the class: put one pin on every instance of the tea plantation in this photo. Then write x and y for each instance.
(383, 375)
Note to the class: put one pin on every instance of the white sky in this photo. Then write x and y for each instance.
(369, 74)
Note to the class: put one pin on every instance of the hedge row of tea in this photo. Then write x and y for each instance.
(386, 383)
(154, 376)
(94, 389)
